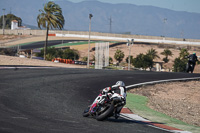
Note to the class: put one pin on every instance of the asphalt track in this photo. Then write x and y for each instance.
(51, 100)
(40, 44)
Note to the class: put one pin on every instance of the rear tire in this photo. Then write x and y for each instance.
(106, 114)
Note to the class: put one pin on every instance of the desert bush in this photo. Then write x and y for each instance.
(8, 51)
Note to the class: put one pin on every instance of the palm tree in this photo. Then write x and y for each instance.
(119, 55)
(166, 53)
(152, 53)
(50, 18)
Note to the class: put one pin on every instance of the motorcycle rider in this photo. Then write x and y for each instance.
(120, 89)
(192, 59)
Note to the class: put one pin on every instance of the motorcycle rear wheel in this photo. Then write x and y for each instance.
(106, 114)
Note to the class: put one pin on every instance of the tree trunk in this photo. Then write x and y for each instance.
(45, 45)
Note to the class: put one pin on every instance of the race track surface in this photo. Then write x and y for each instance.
(52, 100)
(40, 44)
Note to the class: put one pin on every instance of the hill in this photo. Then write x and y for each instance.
(129, 18)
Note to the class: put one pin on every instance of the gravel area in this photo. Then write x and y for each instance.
(179, 100)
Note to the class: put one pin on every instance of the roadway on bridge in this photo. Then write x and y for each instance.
(51, 100)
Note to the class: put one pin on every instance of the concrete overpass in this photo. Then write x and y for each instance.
(83, 35)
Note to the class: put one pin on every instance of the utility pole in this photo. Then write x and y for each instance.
(88, 60)
(110, 24)
(10, 10)
(129, 44)
(182, 34)
(62, 36)
(3, 21)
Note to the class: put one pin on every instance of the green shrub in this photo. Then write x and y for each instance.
(71, 54)
(143, 61)
(179, 65)
(85, 58)
(59, 53)
(8, 51)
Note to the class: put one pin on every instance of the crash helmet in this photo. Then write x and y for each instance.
(120, 83)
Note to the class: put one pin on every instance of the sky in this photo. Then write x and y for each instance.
(177, 5)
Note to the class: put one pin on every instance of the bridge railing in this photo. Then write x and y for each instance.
(43, 32)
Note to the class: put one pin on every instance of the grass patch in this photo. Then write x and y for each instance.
(71, 44)
(138, 104)
(75, 43)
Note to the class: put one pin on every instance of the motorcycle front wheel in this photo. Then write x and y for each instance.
(86, 112)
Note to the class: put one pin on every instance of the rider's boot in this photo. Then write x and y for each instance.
(117, 112)
(117, 115)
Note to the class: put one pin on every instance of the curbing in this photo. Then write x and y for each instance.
(127, 114)
(161, 81)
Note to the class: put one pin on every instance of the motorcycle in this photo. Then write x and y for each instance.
(104, 106)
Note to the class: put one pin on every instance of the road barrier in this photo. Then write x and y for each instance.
(67, 61)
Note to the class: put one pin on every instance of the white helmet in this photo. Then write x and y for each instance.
(120, 83)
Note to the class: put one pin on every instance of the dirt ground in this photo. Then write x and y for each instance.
(179, 100)
(17, 61)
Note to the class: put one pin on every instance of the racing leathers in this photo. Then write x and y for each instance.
(119, 90)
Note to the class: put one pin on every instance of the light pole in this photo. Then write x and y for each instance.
(3, 21)
(164, 20)
(88, 60)
(129, 44)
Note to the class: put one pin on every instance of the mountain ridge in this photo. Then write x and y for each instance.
(140, 20)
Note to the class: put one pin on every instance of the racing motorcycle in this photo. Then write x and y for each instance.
(104, 106)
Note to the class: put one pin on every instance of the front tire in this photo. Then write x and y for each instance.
(86, 112)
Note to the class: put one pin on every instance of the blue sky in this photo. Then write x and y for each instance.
(177, 5)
